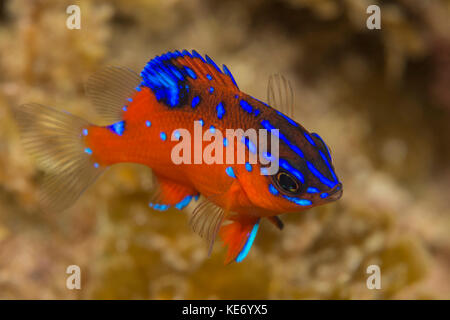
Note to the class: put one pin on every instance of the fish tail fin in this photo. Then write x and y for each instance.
(239, 236)
(56, 139)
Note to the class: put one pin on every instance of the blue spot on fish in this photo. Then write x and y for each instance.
(85, 132)
(208, 76)
(88, 150)
(211, 89)
(176, 134)
(246, 106)
(312, 190)
(230, 172)
(118, 127)
(248, 167)
(195, 101)
(163, 136)
(212, 129)
(324, 195)
(148, 123)
(159, 207)
(96, 165)
(220, 110)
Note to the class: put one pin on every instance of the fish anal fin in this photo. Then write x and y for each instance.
(170, 193)
(276, 222)
(238, 236)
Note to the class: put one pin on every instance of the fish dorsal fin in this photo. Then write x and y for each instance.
(280, 94)
(206, 220)
(171, 75)
(109, 90)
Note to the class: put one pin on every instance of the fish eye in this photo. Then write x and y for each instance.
(321, 145)
(287, 182)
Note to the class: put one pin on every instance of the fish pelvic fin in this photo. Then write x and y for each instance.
(277, 222)
(56, 140)
(239, 236)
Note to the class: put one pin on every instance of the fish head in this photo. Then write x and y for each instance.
(306, 176)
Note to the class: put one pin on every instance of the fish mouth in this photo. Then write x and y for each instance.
(336, 192)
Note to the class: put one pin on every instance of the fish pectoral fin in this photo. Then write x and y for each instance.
(109, 89)
(280, 94)
(169, 193)
(277, 222)
(239, 236)
(205, 220)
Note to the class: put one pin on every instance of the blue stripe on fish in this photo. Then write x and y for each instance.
(268, 126)
(228, 73)
(319, 175)
(286, 166)
(288, 119)
(249, 144)
(211, 62)
(248, 244)
(273, 190)
(183, 203)
(300, 202)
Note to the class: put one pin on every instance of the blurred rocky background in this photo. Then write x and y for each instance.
(380, 98)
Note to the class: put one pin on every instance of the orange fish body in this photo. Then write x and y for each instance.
(177, 96)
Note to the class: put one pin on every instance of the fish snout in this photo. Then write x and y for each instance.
(336, 192)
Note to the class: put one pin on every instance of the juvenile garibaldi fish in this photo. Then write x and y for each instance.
(149, 115)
